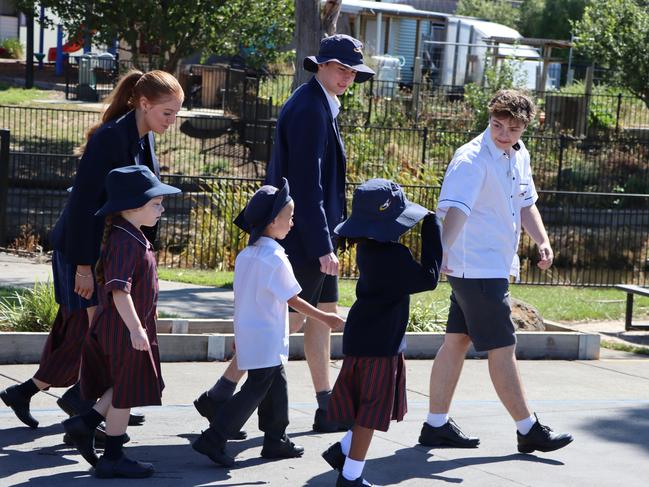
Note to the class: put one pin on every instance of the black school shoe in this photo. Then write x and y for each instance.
(100, 438)
(209, 408)
(334, 456)
(283, 448)
(322, 425)
(449, 434)
(13, 398)
(542, 438)
(359, 482)
(209, 443)
(124, 467)
(73, 405)
(82, 437)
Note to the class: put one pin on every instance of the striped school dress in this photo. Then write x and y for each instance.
(108, 358)
(61, 355)
(370, 392)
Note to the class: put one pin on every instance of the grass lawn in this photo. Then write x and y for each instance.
(10, 95)
(558, 303)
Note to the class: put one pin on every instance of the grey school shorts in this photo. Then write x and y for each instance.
(480, 308)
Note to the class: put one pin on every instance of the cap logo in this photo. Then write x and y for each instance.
(385, 205)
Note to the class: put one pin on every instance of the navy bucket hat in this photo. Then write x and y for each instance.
(380, 211)
(344, 50)
(262, 209)
(131, 187)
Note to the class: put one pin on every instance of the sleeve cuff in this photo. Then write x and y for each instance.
(118, 285)
(294, 291)
(447, 203)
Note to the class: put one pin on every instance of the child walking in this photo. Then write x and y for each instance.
(140, 105)
(120, 357)
(371, 386)
(264, 286)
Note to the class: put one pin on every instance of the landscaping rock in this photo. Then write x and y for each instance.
(525, 316)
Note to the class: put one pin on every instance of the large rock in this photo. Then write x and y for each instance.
(525, 316)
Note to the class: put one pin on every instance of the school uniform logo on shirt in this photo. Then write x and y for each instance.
(385, 205)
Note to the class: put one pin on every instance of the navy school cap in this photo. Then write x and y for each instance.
(344, 50)
(380, 211)
(131, 187)
(262, 209)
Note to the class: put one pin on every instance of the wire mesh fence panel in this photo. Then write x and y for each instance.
(599, 239)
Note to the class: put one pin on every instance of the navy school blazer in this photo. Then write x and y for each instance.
(78, 232)
(310, 154)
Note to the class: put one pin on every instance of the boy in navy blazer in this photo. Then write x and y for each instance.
(309, 152)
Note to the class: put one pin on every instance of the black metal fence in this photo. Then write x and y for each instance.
(598, 239)
(259, 96)
(595, 205)
(43, 142)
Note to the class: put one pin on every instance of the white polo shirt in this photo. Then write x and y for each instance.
(490, 187)
(263, 283)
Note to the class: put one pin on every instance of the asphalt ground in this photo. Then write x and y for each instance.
(604, 404)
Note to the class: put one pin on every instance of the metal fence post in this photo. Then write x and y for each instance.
(371, 97)
(617, 113)
(560, 170)
(423, 149)
(4, 183)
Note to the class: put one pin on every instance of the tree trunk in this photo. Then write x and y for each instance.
(330, 13)
(308, 32)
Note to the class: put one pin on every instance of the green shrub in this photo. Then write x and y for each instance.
(502, 76)
(30, 309)
(13, 47)
(427, 317)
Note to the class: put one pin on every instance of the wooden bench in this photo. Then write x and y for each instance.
(630, 290)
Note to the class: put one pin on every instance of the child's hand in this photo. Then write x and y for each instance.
(139, 340)
(335, 322)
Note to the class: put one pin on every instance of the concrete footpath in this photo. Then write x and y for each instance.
(604, 404)
(176, 298)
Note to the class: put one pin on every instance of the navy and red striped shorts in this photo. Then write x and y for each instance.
(370, 391)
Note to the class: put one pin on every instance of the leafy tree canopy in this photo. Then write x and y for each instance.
(614, 33)
(550, 19)
(176, 29)
(500, 11)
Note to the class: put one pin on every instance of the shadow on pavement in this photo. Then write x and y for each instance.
(409, 463)
(628, 426)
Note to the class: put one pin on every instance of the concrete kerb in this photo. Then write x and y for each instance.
(210, 340)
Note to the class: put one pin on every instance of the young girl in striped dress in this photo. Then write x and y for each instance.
(371, 386)
(120, 358)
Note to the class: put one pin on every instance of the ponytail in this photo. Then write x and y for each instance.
(153, 85)
(99, 267)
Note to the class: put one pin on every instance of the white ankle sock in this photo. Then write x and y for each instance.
(437, 420)
(525, 425)
(346, 442)
(353, 468)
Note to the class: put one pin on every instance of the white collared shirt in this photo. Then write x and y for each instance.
(263, 283)
(490, 187)
(334, 104)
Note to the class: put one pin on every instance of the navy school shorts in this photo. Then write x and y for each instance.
(316, 286)
(481, 309)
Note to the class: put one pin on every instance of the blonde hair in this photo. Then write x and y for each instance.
(514, 104)
(135, 84)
